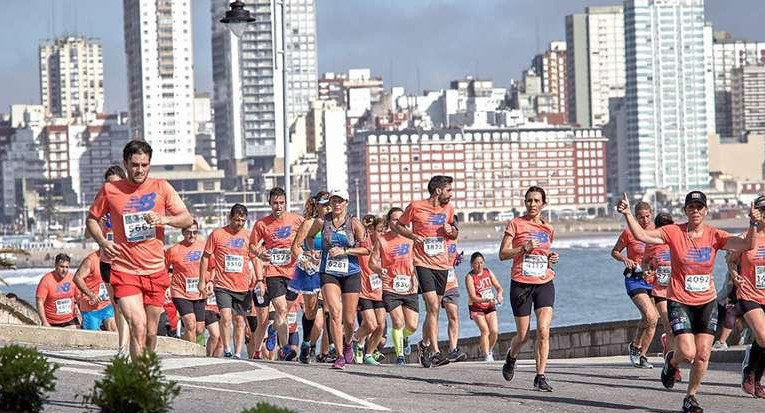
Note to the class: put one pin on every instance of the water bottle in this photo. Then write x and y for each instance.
(259, 296)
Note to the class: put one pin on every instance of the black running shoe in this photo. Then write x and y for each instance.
(305, 351)
(424, 354)
(508, 369)
(668, 372)
(438, 360)
(541, 384)
(456, 355)
(690, 405)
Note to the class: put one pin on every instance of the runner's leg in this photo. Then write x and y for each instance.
(544, 319)
(703, 346)
(483, 339)
(349, 306)
(152, 321)
(225, 327)
(334, 304)
(239, 325)
(213, 339)
(521, 336)
(430, 326)
(190, 326)
(453, 316)
(135, 315)
(493, 324)
(648, 320)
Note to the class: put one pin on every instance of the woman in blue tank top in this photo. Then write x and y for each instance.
(339, 270)
(306, 281)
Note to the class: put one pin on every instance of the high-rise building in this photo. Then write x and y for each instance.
(71, 77)
(551, 68)
(730, 54)
(247, 99)
(665, 97)
(160, 75)
(595, 63)
(748, 100)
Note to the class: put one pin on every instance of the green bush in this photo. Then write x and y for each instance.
(25, 377)
(137, 386)
(267, 408)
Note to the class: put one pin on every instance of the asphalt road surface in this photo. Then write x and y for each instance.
(581, 385)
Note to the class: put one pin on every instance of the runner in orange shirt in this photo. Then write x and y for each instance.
(271, 242)
(371, 307)
(691, 298)
(94, 301)
(55, 296)
(184, 259)
(432, 222)
(484, 295)
(140, 207)
(527, 241)
(451, 302)
(228, 248)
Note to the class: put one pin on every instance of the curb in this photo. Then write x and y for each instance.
(66, 337)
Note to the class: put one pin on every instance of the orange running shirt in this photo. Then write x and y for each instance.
(185, 258)
(659, 259)
(142, 245)
(428, 222)
(230, 252)
(397, 257)
(451, 279)
(95, 284)
(530, 268)
(635, 248)
(753, 271)
(277, 236)
(59, 297)
(693, 261)
(371, 283)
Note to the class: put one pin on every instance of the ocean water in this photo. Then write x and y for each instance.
(589, 284)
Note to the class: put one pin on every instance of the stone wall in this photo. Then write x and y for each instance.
(17, 312)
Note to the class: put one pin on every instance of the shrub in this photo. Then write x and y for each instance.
(25, 378)
(134, 386)
(267, 408)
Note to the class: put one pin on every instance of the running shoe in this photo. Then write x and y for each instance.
(634, 353)
(332, 350)
(271, 340)
(644, 364)
(424, 354)
(690, 405)
(287, 353)
(348, 353)
(719, 345)
(508, 369)
(379, 356)
(407, 347)
(541, 384)
(370, 359)
(400, 361)
(748, 385)
(305, 352)
(489, 358)
(668, 372)
(312, 353)
(256, 356)
(321, 358)
(759, 392)
(122, 352)
(438, 360)
(339, 364)
(228, 354)
(456, 355)
(358, 353)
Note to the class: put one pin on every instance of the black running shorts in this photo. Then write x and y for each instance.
(524, 296)
(692, 319)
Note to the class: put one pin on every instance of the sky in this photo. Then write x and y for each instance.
(419, 44)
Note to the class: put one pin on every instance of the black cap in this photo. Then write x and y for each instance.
(662, 219)
(696, 197)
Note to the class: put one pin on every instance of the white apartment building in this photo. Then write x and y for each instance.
(158, 46)
(730, 54)
(595, 63)
(71, 77)
(332, 170)
(748, 100)
(551, 68)
(247, 99)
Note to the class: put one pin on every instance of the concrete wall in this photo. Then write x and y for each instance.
(14, 312)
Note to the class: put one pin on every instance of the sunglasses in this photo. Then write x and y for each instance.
(191, 232)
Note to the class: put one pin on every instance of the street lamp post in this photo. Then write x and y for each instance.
(358, 208)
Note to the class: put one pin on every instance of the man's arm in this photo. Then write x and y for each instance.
(79, 280)
(652, 236)
(405, 232)
(41, 311)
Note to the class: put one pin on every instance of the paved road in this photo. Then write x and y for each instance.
(583, 385)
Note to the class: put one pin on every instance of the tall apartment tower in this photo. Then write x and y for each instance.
(595, 63)
(550, 66)
(665, 97)
(247, 98)
(748, 100)
(71, 77)
(730, 54)
(161, 77)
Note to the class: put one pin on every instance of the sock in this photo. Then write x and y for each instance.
(408, 332)
(307, 328)
(759, 367)
(398, 341)
(753, 358)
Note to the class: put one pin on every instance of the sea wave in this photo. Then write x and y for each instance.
(492, 247)
(24, 276)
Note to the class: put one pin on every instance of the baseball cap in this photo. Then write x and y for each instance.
(340, 193)
(696, 197)
(322, 198)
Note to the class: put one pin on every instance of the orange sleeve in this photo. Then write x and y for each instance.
(42, 289)
(510, 229)
(173, 202)
(100, 206)
(255, 234)
(210, 244)
(406, 218)
(168, 257)
(721, 237)
(665, 233)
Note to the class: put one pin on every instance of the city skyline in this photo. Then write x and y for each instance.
(344, 39)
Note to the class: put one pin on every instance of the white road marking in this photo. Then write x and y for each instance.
(83, 353)
(238, 377)
(185, 362)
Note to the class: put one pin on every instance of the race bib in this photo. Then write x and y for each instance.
(402, 284)
(280, 256)
(337, 265)
(192, 285)
(662, 275)
(375, 283)
(64, 306)
(136, 227)
(233, 263)
(534, 265)
(759, 277)
(103, 293)
(697, 283)
(211, 300)
(487, 294)
(452, 277)
(291, 318)
(434, 246)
